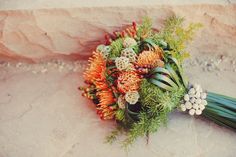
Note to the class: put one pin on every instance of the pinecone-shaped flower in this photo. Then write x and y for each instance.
(122, 63)
(129, 42)
(104, 50)
(132, 97)
(129, 53)
(121, 102)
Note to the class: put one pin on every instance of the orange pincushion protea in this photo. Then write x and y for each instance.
(151, 58)
(95, 74)
(128, 81)
(106, 98)
(96, 68)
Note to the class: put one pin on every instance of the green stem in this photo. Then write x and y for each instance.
(221, 110)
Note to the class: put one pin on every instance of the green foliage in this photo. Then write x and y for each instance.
(170, 77)
(145, 29)
(157, 104)
(136, 49)
(155, 98)
(120, 114)
(139, 128)
(113, 135)
(177, 36)
(116, 48)
(148, 123)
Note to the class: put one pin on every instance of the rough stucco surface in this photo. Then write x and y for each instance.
(38, 34)
(38, 4)
(42, 114)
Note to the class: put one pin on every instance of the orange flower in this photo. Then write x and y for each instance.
(96, 70)
(151, 58)
(128, 81)
(96, 74)
(106, 99)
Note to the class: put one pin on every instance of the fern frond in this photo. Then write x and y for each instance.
(176, 35)
(120, 114)
(145, 29)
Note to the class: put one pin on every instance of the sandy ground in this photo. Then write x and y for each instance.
(42, 114)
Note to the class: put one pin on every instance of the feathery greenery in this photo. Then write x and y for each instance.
(120, 114)
(177, 36)
(114, 134)
(116, 48)
(145, 29)
(157, 104)
(155, 98)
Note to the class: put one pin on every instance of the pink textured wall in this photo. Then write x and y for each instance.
(73, 33)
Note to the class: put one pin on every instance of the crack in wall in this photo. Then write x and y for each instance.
(29, 108)
(8, 101)
(69, 150)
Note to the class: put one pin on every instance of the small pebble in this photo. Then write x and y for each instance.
(18, 64)
(44, 70)
(233, 62)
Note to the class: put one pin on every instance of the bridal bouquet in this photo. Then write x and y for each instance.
(136, 79)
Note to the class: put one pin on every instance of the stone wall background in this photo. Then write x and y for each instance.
(39, 4)
(34, 35)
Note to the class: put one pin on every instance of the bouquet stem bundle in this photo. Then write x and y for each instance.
(221, 110)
